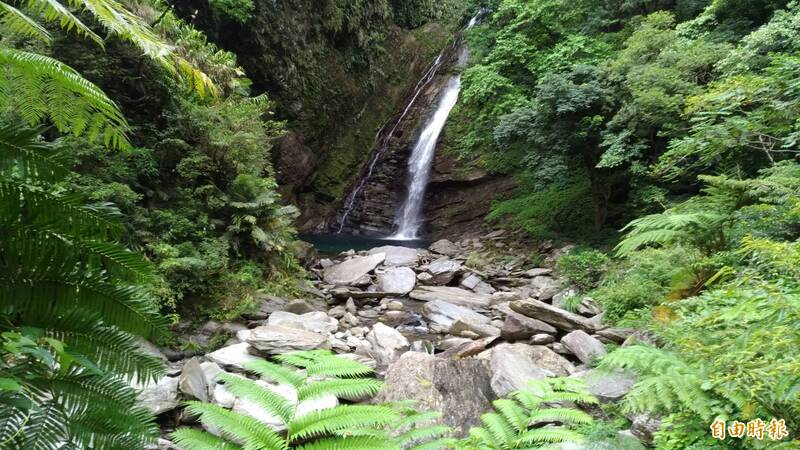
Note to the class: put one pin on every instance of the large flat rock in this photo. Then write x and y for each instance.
(559, 318)
(443, 315)
(277, 339)
(397, 256)
(349, 272)
(514, 365)
(454, 295)
(397, 280)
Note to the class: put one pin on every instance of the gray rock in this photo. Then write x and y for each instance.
(615, 335)
(192, 381)
(352, 270)
(325, 263)
(501, 297)
(387, 344)
(397, 256)
(444, 247)
(609, 386)
(545, 287)
(317, 321)
(542, 339)
(350, 306)
(520, 327)
(161, 396)
(233, 356)
(444, 314)
(536, 272)
(514, 365)
(275, 339)
(557, 317)
(459, 328)
(470, 281)
(397, 280)
(561, 297)
(583, 346)
(443, 270)
(210, 371)
(643, 426)
(459, 388)
(424, 278)
(452, 295)
(337, 311)
(300, 307)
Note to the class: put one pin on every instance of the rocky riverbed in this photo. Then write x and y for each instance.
(442, 326)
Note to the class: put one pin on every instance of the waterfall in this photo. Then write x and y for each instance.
(409, 218)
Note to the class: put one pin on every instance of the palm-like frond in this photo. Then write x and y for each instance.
(266, 399)
(327, 421)
(16, 22)
(517, 422)
(191, 439)
(238, 427)
(276, 372)
(323, 363)
(347, 388)
(666, 228)
(350, 443)
(39, 87)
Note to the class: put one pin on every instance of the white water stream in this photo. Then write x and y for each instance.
(409, 218)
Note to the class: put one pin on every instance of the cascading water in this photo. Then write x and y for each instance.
(409, 218)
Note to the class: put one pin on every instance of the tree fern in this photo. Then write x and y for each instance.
(525, 420)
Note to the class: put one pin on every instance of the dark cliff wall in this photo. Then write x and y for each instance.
(336, 72)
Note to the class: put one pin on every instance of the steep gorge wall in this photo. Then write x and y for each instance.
(335, 75)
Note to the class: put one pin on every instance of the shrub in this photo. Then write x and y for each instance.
(584, 267)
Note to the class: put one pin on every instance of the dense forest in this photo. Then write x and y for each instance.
(158, 159)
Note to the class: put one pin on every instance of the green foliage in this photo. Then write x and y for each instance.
(71, 296)
(524, 421)
(583, 267)
(312, 374)
(239, 10)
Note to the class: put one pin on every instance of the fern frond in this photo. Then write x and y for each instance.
(549, 435)
(567, 416)
(39, 87)
(323, 363)
(436, 444)
(501, 430)
(327, 421)
(483, 437)
(276, 372)
(421, 434)
(55, 11)
(238, 427)
(25, 155)
(266, 399)
(15, 22)
(191, 439)
(513, 413)
(350, 443)
(346, 388)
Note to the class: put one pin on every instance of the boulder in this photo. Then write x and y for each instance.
(397, 280)
(557, 317)
(609, 386)
(317, 321)
(459, 388)
(545, 287)
(584, 347)
(444, 247)
(161, 396)
(300, 306)
(443, 315)
(542, 339)
(210, 371)
(459, 328)
(615, 335)
(517, 327)
(350, 271)
(276, 339)
(512, 367)
(465, 348)
(233, 356)
(397, 256)
(454, 295)
(387, 344)
(192, 382)
(443, 270)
